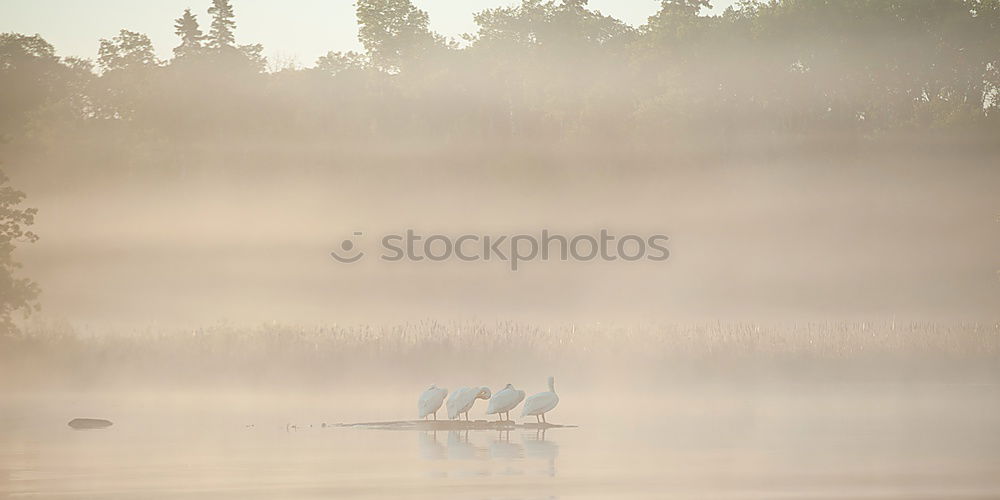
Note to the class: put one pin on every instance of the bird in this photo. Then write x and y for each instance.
(430, 401)
(541, 403)
(462, 399)
(504, 401)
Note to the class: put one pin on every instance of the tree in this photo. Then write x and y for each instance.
(674, 18)
(127, 62)
(253, 55)
(127, 50)
(221, 34)
(568, 26)
(394, 32)
(335, 62)
(221, 40)
(186, 27)
(16, 294)
(536, 70)
(28, 77)
(683, 7)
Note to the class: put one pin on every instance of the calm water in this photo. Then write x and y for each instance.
(710, 441)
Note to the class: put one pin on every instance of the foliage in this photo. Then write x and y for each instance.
(32, 78)
(394, 32)
(126, 51)
(221, 35)
(539, 72)
(334, 62)
(16, 294)
(186, 27)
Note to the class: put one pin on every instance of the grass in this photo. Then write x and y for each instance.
(326, 354)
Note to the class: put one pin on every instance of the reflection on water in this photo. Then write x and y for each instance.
(537, 446)
(820, 441)
(481, 445)
(461, 448)
(502, 447)
(521, 452)
(429, 446)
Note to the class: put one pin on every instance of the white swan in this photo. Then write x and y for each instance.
(430, 401)
(462, 399)
(504, 401)
(541, 403)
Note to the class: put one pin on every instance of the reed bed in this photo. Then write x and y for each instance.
(439, 349)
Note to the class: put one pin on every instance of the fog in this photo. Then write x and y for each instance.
(747, 242)
(787, 283)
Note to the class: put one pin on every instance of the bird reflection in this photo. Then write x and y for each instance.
(529, 447)
(460, 448)
(502, 447)
(536, 446)
(430, 448)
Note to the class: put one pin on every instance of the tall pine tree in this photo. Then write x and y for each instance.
(220, 36)
(187, 28)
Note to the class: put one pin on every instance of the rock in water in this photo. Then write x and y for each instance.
(89, 423)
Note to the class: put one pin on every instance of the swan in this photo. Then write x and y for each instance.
(541, 403)
(430, 401)
(504, 401)
(462, 399)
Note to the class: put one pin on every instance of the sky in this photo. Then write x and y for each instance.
(291, 30)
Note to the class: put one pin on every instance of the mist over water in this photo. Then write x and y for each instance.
(824, 325)
(842, 347)
(869, 440)
(747, 242)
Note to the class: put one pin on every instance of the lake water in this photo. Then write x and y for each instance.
(709, 440)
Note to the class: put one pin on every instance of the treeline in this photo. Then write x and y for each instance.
(541, 72)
